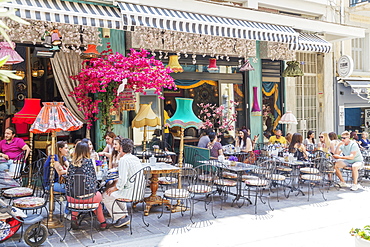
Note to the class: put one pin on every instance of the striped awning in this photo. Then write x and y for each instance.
(67, 12)
(141, 15)
(311, 42)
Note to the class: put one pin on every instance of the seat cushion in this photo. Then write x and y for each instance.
(177, 193)
(167, 180)
(257, 182)
(225, 182)
(18, 192)
(284, 169)
(199, 188)
(311, 177)
(276, 177)
(83, 205)
(367, 167)
(123, 200)
(309, 170)
(229, 175)
(29, 202)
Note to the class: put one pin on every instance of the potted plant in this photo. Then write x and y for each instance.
(362, 236)
(233, 160)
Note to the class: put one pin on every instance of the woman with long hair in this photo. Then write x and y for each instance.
(61, 165)
(297, 148)
(324, 142)
(243, 141)
(82, 164)
(309, 142)
(108, 150)
(214, 145)
(334, 141)
(116, 154)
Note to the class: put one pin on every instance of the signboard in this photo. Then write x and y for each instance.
(367, 118)
(341, 115)
(345, 66)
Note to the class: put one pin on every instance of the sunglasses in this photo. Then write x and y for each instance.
(321, 137)
(343, 138)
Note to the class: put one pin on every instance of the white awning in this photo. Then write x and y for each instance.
(67, 12)
(311, 42)
(176, 20)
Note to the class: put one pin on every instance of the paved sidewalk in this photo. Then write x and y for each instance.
(294, 222)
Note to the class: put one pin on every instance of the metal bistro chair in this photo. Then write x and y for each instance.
(83, 204)
(314, 174)
(138, 181)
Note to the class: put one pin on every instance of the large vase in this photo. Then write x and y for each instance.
(360, 242)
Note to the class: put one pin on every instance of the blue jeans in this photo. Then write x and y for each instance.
(5, 166)
(58, 187)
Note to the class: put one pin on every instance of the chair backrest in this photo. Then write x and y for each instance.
(206, 174)
(36, 178)
(324, 165)
(81, 186)
(140, 180)
(20, 163)
(192, 153)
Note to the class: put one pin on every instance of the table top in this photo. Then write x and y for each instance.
(149, 153)
(239, 167)
(161, 167)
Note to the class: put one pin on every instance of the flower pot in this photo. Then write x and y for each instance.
(360, 242)
(233, 163)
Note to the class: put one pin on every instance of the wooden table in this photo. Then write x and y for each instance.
(155, 199)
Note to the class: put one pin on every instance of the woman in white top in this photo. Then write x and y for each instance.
(116, 154)
(108, 150)
(309, 142)
(334, 141)
(243, 141)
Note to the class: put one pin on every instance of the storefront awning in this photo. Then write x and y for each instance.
(311, 42)
(142, 15)
(359, 86)
(67, 12)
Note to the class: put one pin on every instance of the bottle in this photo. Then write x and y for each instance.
(152, 160)
(104, 166)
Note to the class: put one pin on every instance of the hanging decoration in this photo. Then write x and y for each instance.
(174, 64)
(246, 66)
(91, 52)
(293, 70)
(212, 67)
(256, 110)
(104, 75)
(6, 49)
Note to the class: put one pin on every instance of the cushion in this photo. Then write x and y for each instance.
(177, 193)
(276, 177)
(229, 175)
(249, 177)
(29, 202)
(258, 182)
(311, 177)
(83, 205)
(18, 192)
(167, 180)
(225, 182)
(4, 230)
(123, 200)
(367, 167)
(199, 188)
(309, 170)
(284, 169)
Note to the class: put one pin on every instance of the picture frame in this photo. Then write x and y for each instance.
(116, 115)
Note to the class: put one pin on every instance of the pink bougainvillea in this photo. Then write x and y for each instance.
(106, 73)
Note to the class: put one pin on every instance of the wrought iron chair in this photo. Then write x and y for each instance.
(139, 182)
(313, 174)
(81, 199)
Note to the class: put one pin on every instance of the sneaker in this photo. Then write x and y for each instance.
(103, 226)
(122, 222)
(354, 187)
(342, 185)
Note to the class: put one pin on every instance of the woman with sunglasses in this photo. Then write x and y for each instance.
(324, 142)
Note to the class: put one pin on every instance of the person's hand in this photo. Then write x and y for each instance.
(5, 156)
(111, 190)
(255, 138)
(336, 156)
(101, 153)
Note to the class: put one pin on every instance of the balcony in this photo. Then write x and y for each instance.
(353, 3)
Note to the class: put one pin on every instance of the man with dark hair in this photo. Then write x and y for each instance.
(204, 138)
(277, 138)
(128, 165)
(11, 147)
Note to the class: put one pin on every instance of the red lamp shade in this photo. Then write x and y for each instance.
(212, 65)
(91, 52)
(29, 111)
(256, 110)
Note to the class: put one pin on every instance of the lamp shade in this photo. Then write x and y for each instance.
(173, 63)
(293, 70)
(184, 116)
(212, 67)
(29, 112)
(54, 117)
(90, 52)
(288, 118)
(246, 66)
(145, 117)
(7, 50)
(256, 110)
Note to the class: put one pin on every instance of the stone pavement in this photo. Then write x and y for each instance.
(294, 222)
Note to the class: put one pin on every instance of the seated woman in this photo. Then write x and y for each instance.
(309, 142)
(364, 142)
(243, 141)
(116, 154)
(214, 145)
(82, 164)
(108, 150)
(334, 141)
(297, 148)
(61, 165)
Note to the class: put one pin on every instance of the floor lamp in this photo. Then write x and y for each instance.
(145, 117)
(184, 118)
(27, 115)
(288, 118)
(54, 117)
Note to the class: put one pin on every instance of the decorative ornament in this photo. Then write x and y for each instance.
(292, 70)
(212, 67)
(7, 49)
(256, 110)
(173, 63)
(246, 66)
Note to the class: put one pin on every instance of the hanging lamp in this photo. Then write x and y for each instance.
(174, 64)
(293, 70)
(246, 66)
(212, 67)
(91, 52)
(7, 49)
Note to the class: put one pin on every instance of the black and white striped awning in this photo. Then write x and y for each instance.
(140, 15)
(67, 12)
(311, 42)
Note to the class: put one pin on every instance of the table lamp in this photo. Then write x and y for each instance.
(145, 117)
(54, 117)
(27, 115)
(184, 117)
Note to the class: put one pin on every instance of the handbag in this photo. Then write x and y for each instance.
(251, 158)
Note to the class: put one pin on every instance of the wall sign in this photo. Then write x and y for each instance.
(345, 66)
(341, 115)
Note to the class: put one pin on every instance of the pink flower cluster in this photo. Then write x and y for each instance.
(142, 72)
(221, 117)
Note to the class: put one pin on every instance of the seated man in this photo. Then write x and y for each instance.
(128, 165)
(11, 147)
(278, 138)
(352, 158)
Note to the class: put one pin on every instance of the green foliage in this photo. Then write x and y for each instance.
(361, 232)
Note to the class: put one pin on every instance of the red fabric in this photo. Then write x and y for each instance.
(14, 226)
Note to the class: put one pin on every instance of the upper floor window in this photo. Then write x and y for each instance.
(358, 53)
